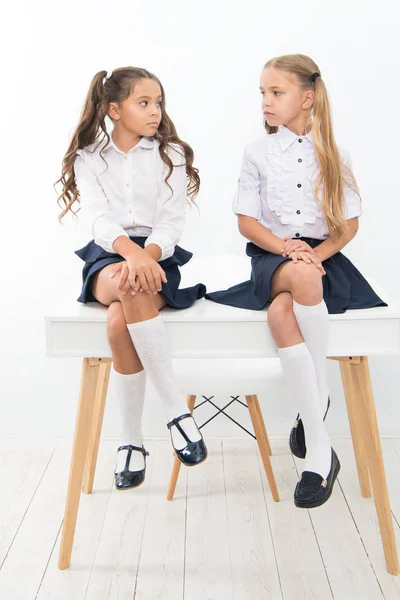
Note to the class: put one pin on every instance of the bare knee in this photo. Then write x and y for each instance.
(142, 306)
(305, 282)
(104, 288)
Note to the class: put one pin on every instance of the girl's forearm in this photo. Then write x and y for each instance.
(329, 247)
(125, 247)
(252, 230)
(154, 250)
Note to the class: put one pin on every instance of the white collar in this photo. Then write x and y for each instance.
(287, 137)
(145, 142)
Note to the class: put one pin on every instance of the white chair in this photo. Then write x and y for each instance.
(246, 377)
(211, 331)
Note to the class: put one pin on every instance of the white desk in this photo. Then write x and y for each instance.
(208, 330)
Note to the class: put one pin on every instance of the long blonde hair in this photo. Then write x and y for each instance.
(92, 128)
(333, 175)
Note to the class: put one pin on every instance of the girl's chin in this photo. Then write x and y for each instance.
(273, 121)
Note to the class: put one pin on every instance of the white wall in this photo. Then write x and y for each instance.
(208, 55)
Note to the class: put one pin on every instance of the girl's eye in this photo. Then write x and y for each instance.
(143, 103)
(159, 104)
(277, 93)
(262, 93)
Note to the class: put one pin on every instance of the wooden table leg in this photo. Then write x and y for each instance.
(87, 393)
(361, 381)
(191, 401)
(97, 422)
(262, 445)
(356, 424)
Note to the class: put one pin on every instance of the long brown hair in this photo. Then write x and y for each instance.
(333, 174)
(92, 128)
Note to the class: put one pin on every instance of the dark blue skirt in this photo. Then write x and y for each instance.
(96, 258)
(344, 287)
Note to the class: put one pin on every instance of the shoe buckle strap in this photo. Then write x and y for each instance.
(130, 449)
(179, 428)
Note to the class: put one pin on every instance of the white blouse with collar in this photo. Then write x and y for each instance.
(276, 186)
(130, 196)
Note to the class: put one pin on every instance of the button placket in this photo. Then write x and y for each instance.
(300, 173)
(128, 186)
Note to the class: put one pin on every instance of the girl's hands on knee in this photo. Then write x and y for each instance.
(291, 245)
(124, 285)
(309, 258)
(145, 273)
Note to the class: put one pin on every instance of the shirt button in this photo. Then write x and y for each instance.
(127, 185)
(300, 140)
(125, 157)
(130, 212)
(298, 212)
(299, 160)
(299, 185)
(297, 235)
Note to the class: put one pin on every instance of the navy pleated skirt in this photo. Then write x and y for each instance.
(344, 287)
(96, 258)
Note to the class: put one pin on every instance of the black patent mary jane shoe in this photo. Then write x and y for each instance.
(193, 453)
(313, 490)
(126, 479)
(297, 440)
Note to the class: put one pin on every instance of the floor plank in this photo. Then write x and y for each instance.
(22, 465)
(208, 573)
(29, 554)
(364, 514)
(115, 566)
(71, 584)
(301, 569)
(254, 571)
(349, 569)
(161, 567)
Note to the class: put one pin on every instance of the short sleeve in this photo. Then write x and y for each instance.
(247, 200)
(352, 201)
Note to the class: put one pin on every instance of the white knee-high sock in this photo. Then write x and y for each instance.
(152, 346)
(299, 372)
(130, 391)
(313, 322)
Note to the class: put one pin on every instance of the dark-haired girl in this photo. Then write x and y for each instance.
(133, 185)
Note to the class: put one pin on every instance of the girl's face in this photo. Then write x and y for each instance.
(140, 113)
(284, 102)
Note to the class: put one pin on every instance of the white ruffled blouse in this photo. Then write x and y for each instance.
(276, 186)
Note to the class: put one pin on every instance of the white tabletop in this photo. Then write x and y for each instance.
(208, 329)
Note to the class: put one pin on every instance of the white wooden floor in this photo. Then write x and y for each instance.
(222, 537)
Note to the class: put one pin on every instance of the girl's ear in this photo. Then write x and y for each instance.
(113, 111)
(308, 99)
